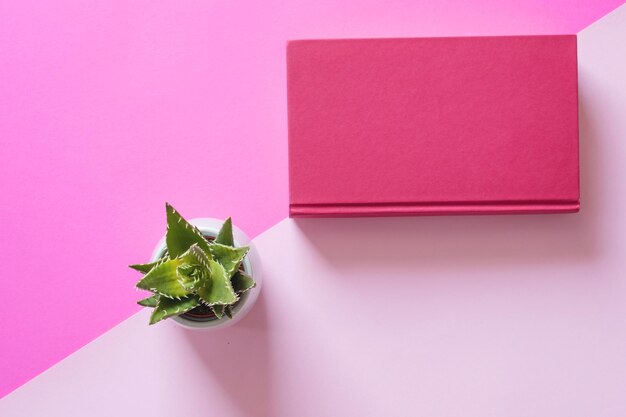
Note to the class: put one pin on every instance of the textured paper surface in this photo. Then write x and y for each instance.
(433, 125)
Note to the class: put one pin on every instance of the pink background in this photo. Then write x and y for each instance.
(110, 108)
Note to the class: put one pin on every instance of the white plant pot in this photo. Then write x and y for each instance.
(251, 264)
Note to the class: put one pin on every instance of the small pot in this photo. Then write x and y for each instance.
(251, 264)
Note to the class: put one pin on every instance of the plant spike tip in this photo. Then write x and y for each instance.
(242, 282)
(225, 235)
(218, 310)
(167, 307)
(151, 301)
(180, 235)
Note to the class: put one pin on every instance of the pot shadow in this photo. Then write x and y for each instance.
(434, 243)
(240, 358)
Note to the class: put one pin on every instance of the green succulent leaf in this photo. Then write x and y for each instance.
(225, 235)
(228, 310)
(178, 277)
(168, 307)
(218, 310)
(150, 301)
(230, 258)
(242, 282)
(145, 268)
(181, 235)
(217, 289)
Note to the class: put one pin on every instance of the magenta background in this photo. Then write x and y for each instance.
(109, 108)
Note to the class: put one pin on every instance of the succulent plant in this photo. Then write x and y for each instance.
(194, 271)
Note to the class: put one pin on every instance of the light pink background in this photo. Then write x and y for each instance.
(109, 108)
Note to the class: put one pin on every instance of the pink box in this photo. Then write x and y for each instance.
(433, 126)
